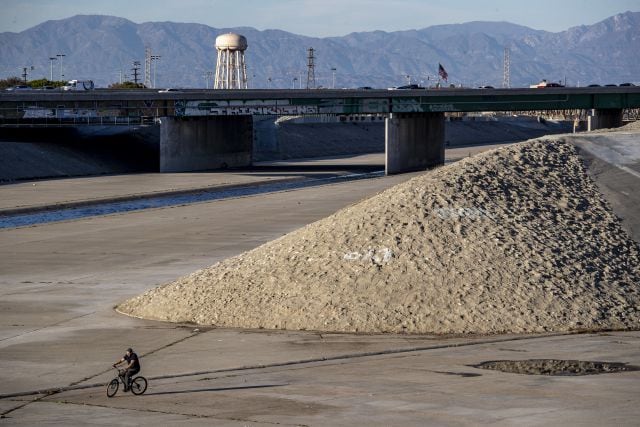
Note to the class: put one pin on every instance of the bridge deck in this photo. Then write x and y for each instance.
(37, 104)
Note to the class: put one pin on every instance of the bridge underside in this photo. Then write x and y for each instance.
(413, 141)
(204, 129)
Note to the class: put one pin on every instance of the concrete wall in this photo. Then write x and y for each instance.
(265, 138)
(607, 118)
(204, 143)
(291, 140)
(414, 141)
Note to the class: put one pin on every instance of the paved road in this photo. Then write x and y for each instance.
(59, 282)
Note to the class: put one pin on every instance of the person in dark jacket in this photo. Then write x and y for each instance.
(132, 367)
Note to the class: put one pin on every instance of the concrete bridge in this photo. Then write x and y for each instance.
(203, 129)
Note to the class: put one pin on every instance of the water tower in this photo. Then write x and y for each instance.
(231, 71)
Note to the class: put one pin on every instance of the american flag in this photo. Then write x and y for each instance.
(442, 72)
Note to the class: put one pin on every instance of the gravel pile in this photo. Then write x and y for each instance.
(512, 240)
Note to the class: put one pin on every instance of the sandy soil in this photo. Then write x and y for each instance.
(631, 126)
(512, 240)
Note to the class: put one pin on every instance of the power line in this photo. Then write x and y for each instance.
(136, 67)
(311, 73)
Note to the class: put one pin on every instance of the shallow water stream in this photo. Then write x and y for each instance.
(107, 208)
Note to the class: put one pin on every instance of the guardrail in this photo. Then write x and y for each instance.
(78, 121)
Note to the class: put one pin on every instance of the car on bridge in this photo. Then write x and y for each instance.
(407, 87)
(19, 87)
(544, 84)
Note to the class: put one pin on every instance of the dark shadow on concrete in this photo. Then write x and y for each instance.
(200, 390)
(45, 153)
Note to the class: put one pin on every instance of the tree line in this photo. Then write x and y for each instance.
(42, 83)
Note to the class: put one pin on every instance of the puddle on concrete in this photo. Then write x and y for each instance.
(458, 374)
(554, 367)
(66, 214)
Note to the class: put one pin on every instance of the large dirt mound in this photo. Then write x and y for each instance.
(512, 240)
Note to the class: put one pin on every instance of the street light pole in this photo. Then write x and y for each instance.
(208, 75)
(61, 56)
(51, 59)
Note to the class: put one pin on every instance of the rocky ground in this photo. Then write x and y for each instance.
(513, 240)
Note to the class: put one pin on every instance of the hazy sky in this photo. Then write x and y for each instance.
(322, 18)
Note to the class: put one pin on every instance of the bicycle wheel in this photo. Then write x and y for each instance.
(112, 387)
(139, 385)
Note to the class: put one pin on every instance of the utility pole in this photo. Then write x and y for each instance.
(51, 59)
(147, 67)
(25, 72)
(136, 67)
(311, 70)
(506, 75)
(148, 60)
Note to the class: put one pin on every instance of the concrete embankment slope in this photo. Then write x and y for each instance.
(612, 159)
(62, 152)
(292, 140)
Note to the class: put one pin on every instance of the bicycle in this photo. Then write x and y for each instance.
(138, 384)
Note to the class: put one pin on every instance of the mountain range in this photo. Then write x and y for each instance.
(103, 48)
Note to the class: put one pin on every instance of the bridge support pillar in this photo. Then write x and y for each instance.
(413, 141)
(204, 143)
(608, 118)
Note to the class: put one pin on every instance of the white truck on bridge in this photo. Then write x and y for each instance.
(79, 85)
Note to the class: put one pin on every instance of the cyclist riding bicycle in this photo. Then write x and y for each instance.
(132, 368)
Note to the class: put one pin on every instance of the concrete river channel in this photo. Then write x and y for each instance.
(107, 208)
